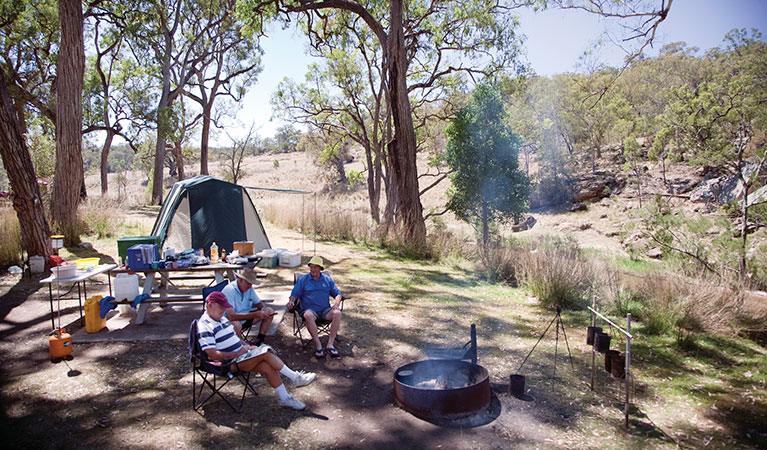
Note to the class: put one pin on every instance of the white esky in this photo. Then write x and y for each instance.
(555, 41)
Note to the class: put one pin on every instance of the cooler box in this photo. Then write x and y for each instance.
(269, 259)
(141, 256)
(290, 259)
(124, 243)
(93, 321)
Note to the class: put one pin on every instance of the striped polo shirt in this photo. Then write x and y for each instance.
(217, 335)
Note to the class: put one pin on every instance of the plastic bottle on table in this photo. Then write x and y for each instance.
(214, 253)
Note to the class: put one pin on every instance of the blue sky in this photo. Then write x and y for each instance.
(555, 41)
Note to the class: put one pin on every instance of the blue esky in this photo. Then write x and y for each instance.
(555, 41)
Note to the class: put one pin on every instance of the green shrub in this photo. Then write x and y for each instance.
(500, 265)
(557, 275)
(628, 302)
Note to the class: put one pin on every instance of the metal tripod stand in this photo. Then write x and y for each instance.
(558, 319)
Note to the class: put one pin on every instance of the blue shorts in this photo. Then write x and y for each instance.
(316, 314)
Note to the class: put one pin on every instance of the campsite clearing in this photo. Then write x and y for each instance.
(138, 394)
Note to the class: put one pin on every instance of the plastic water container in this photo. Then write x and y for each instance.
(93, 321)
(126, 288)
(36, 264)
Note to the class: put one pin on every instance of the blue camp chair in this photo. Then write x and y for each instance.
(214, 375)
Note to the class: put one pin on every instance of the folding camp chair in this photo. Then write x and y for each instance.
(299, 323)
(213, 374)
(467, 352)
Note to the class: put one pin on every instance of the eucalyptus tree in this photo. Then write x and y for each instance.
(344, 100)
(422, 43)
(233, 66)
(27, 201)
(42, 57)
(117, 98)
(69, 181)
(29, 44)
(172, 35)
(716, 123)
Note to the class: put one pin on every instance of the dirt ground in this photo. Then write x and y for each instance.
(138, 394)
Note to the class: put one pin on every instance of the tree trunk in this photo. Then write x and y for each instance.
(402, 149)
(485, 230)
(163, 120)
(68, 181)
(104, 164)
(204, 139)
(179, 152)
(35, 232)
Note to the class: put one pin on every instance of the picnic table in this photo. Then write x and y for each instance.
(166, 291)
(79, 281)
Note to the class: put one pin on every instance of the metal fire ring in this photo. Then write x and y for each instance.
(414, 393)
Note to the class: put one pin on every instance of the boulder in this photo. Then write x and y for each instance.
(655, 253)
(526, 224)
(578, 207)
(598, 185)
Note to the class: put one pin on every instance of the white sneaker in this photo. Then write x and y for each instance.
(292, 403)
(303, 378)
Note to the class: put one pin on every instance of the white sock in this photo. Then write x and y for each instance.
(282, 392)
(288, 373)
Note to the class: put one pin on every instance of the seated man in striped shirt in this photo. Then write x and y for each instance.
(220, 342)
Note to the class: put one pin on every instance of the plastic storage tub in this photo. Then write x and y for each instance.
(290, 259)
(60, 272)
(87, 263)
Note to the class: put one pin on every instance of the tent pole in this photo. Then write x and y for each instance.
(315, 224)
(303, 231)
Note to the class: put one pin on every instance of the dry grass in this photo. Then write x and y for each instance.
(10, 238)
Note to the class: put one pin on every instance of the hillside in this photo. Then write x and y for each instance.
(602, 223)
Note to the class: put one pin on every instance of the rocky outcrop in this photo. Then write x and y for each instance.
(723, 189)
(598, 185)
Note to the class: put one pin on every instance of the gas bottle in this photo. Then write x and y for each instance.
(214, 253)
(60, 344)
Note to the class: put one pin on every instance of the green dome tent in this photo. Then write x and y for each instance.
(203, 210)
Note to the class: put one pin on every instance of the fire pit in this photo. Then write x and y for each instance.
(442, 389)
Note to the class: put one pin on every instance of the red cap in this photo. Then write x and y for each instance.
(218, 298)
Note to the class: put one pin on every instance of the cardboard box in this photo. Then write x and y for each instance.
(243, 247)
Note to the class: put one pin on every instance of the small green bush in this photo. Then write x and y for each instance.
(628, 302)
(557, 275)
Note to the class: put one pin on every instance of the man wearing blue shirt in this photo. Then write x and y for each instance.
(314, 291)
(246, 306)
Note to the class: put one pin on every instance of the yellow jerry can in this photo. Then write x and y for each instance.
(93, 321)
